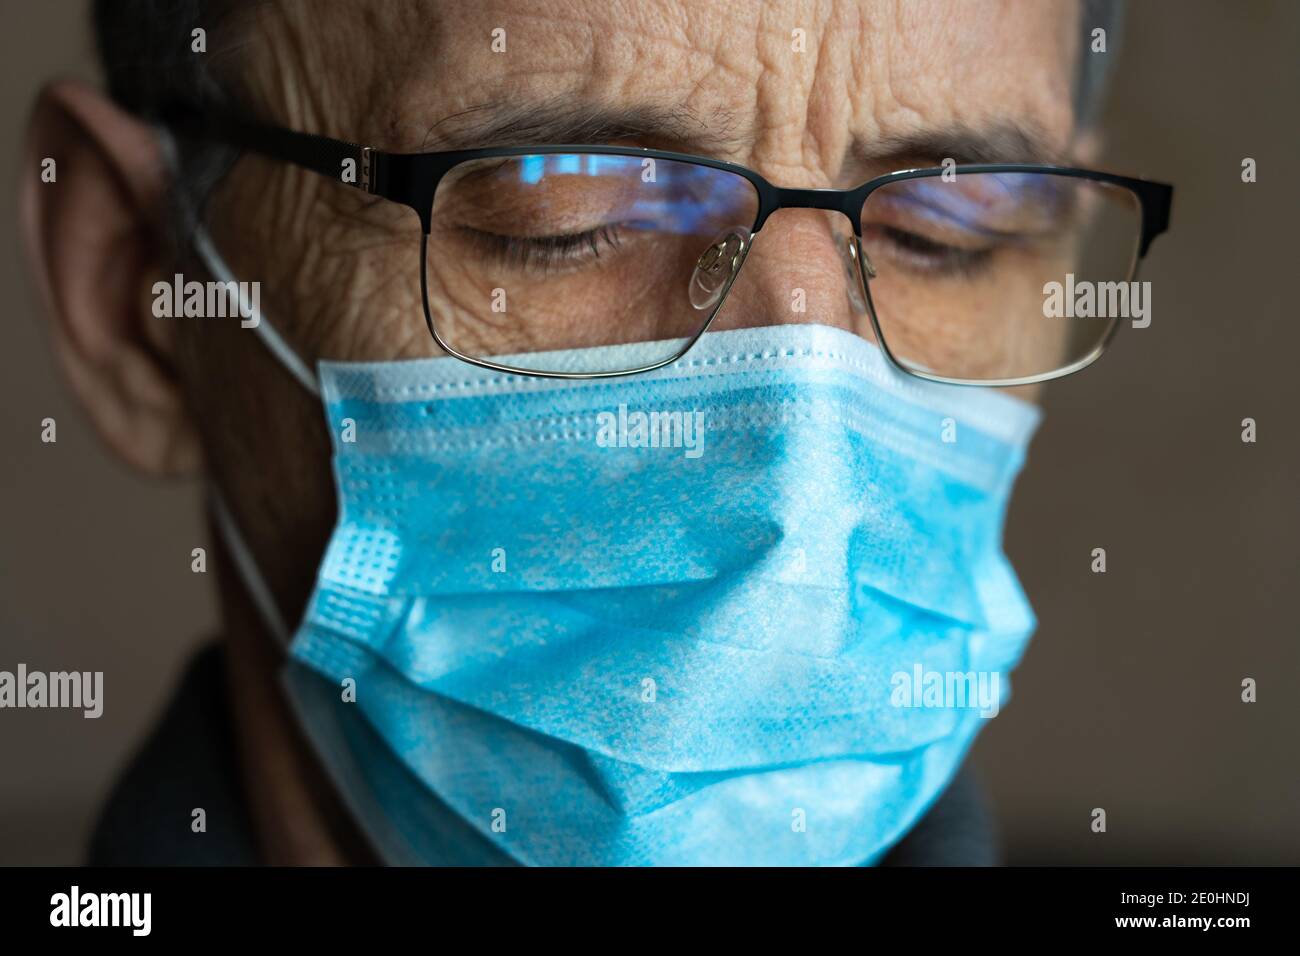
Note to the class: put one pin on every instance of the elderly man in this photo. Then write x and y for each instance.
(609, 409)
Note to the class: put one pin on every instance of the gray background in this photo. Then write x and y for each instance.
(1129, 697)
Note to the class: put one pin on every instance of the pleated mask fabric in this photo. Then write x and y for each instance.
(669, 618)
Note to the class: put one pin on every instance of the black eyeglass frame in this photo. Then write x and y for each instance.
(411, 179)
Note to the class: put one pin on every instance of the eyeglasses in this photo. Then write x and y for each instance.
(968, 274)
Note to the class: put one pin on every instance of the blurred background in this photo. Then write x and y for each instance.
(1129, 698)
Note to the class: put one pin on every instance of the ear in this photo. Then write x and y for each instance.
(94, 237)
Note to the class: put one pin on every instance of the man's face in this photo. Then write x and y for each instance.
(809, 94)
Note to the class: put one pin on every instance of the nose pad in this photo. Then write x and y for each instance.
(717, 266)
(849, 255)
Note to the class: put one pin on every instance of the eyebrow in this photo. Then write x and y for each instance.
(558, 121)
(1005, 141)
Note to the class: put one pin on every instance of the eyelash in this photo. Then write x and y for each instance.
(922, 253)
(544, 252)
(547, 252)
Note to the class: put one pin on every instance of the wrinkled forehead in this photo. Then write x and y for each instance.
(790, 82)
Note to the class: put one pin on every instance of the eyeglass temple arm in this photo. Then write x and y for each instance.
(352, 164)
(1157, 200)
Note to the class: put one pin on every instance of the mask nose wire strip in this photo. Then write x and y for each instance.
(246, 566)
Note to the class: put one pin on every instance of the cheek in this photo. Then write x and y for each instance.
(1028, 393)
(633, 289)
(267, 449)
(365, 303)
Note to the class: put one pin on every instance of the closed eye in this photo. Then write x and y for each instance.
(546, 252)
(917, 252)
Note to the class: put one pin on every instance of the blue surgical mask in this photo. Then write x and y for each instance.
(750, 608)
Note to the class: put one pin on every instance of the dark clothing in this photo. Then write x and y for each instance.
(189, 762)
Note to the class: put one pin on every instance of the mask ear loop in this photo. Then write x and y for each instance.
(270, 338)
(227, 527)
(216, 265)
(246, 567)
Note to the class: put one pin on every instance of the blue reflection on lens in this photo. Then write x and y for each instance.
(682, 198)
(531, 169)
(976, 201)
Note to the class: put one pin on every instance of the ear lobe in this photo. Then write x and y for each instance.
(93, 237)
